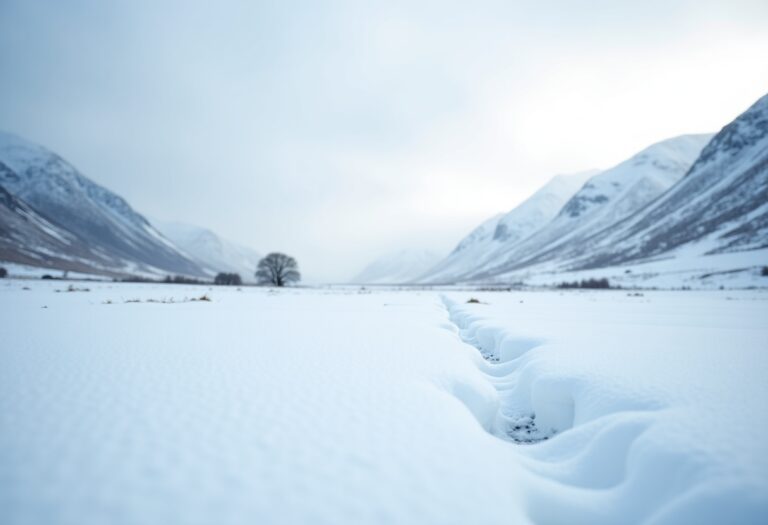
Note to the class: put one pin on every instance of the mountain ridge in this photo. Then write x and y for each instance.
(106, 235)
(606, 198)
(506, 229)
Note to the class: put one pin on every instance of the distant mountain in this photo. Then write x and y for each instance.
(400, 267)
(720, 206)
(53, 216)
(210, 251)
(605, 199)
(479, 249)
(692, 210)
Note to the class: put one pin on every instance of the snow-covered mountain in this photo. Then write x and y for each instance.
(400, 267)
(720, 206)
(692, 210)
(53, 216)
(605, 199)
(478, 249)
(212, 252)
(26, 236)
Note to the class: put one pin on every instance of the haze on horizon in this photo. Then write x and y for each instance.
(339, 131)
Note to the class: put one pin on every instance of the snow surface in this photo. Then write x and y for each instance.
(687, 267)
(25, 271)
(343, 406)
(655, 402)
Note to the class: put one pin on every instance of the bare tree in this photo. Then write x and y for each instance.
(232, 279)
(278, 269)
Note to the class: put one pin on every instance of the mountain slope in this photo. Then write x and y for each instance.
(400, 267)
(720, 206)
(504, 231)
(476, 244)
(22, 228)
(105, 234)
(211, 251)
(605, 199)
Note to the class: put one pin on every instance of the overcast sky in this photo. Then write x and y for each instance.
(339, 131)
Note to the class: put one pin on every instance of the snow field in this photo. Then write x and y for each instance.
(295, 407)
(653, 404)
(332, 406)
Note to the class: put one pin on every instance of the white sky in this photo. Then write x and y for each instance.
(342, 130)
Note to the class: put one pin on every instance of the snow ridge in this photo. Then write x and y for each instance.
(606, 436)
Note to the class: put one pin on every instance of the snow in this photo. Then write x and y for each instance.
(655, 401)
(25, 271)
(350, 406)
(687, 267)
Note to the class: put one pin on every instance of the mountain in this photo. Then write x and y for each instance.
(692, 210)
(720, 206)
(22, 228)
(54, 217)
(504, 231)
(210, 251)
(400, 267)
(604, 200)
